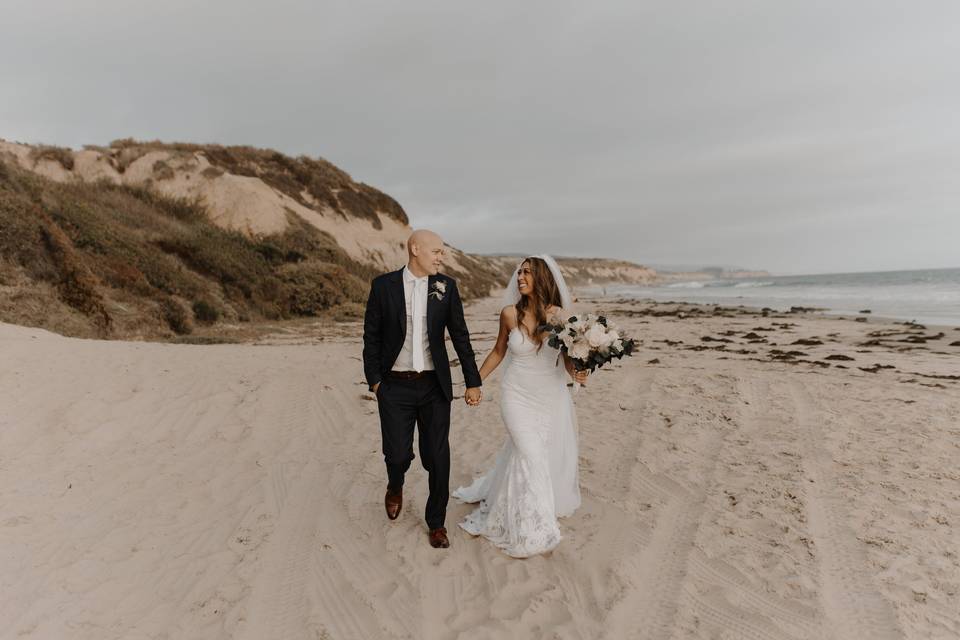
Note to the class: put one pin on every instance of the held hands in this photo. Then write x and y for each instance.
(472, 396)
(581, 377)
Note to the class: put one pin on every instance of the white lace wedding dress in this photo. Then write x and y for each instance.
(534, 479)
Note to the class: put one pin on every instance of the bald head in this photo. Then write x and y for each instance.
(425, 253)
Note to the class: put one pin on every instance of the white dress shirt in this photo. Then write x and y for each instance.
(414, 287)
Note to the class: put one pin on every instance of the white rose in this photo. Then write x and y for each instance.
(580, 350)
(567, 339)
(597, 336)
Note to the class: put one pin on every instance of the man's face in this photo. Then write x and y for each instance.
(430, 255)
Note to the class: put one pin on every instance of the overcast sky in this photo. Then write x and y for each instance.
(798, 137)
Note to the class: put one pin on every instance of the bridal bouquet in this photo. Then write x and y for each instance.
(590, 341)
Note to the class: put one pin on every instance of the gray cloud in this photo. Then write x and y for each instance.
(799, 137)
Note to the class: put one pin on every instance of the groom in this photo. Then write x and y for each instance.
(406, 366)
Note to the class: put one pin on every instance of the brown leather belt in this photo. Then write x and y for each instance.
(408, 375)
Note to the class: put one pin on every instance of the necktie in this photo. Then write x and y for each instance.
(415, 302)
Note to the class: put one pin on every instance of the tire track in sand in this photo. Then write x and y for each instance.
(852, 605)
(676, 573)
(293, 597)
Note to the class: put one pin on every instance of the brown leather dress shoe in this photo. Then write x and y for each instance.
(393, 503)
(438, 538)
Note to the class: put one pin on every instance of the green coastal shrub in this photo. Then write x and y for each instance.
(313, 287)
(204, 312)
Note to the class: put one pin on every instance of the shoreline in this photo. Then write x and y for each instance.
(806, 312)
(929, 296)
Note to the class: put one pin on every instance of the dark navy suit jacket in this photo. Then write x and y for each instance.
(385, 329)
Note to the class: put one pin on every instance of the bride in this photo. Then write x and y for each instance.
(534, 478)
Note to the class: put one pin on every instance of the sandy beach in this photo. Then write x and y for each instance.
(779, 476)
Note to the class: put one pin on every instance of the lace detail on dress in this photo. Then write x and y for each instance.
(534, 478)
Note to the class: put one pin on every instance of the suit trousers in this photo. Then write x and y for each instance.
(421, 401)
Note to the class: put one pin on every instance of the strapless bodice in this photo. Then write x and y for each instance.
(530, 358)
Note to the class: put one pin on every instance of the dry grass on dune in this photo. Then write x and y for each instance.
(306, 180)
(58, 154)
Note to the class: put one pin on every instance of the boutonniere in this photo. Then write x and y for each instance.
(438, 290)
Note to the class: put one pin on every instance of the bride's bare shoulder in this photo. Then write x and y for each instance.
(509, 313)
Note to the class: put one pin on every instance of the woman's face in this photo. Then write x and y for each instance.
(525, 279)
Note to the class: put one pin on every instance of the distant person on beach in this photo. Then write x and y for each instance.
(406, 366)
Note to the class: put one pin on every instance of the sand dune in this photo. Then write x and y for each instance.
(234, 491)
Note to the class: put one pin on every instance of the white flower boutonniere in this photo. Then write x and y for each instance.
(438, 290)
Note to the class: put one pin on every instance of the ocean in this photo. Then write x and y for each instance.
(930, 296)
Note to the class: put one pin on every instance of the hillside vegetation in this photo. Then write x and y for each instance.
(106, 260)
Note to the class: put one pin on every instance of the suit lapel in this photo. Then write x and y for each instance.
(432, 301)
(400, 301)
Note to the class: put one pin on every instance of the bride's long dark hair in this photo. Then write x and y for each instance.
(545, 293)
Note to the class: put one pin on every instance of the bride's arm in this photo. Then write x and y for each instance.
(495, 357)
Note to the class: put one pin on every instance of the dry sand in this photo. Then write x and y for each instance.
(235, 491)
